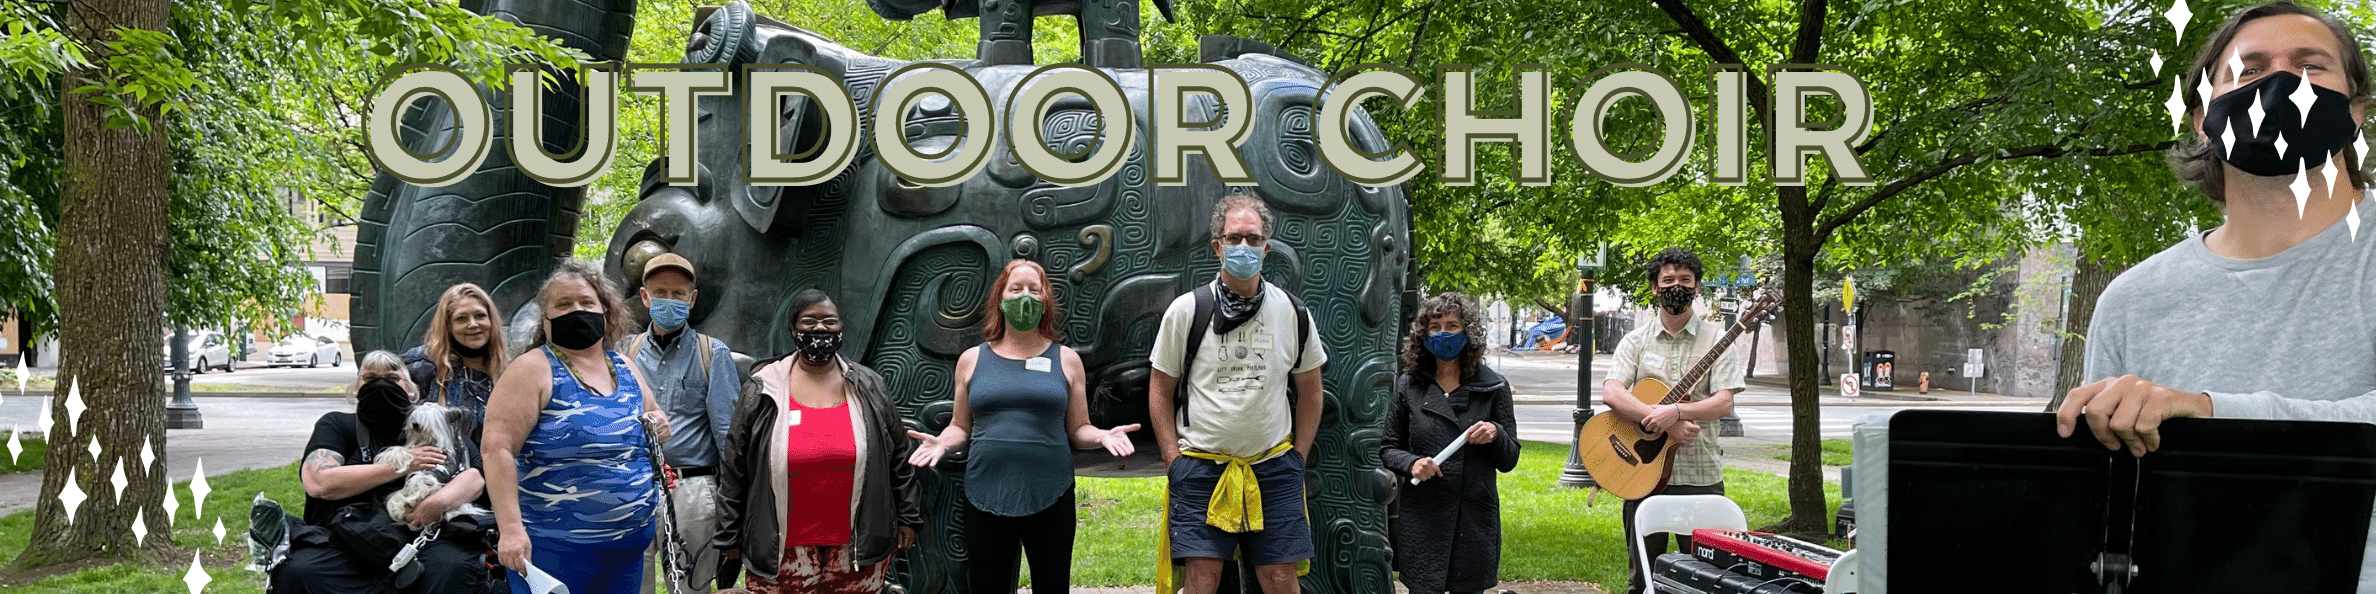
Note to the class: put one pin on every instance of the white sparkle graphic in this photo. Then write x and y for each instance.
(2235, 65)
(72, 496)
(95, 450)
(172, 505)
(139, 528)
(118, 481)
(2203, 89)
(198, 490)
(2156, 61)
(2351, 221)
(22, 375)
(14, 448)
(74, 405)
(2178, 16)
(2177, 105)
(196, 578)
(2256, 113)
(2359, 150)
(2227, 140)
(2301, 191)
(2303, 97)
(218, 530)
(148, 455)
(44, 421)
(2281, 144)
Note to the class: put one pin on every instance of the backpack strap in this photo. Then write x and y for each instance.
(1303, 331)
(1206, 302)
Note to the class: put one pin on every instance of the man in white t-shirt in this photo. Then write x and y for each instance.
(1237, 441)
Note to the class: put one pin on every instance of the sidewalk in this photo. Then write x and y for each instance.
(1550, 378)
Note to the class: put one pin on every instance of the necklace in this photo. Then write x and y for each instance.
(571, 366)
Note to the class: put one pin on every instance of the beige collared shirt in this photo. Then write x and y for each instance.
(1652, 352)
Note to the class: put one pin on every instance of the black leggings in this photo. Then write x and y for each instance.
(993, 543)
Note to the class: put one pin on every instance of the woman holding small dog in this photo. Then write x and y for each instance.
(340, 473)
(814, 491)
(569, 465)
(1022, 406)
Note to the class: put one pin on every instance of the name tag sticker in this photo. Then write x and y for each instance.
(1653, 360)
(1262, 340)
(1039, 364)
(795, 417)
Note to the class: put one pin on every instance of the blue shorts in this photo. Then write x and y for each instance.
(1286, 535)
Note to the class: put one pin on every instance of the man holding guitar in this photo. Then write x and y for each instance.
(1666, 351)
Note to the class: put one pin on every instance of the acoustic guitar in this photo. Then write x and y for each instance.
(1632, 463)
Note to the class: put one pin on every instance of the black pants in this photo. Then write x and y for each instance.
(1656, 544)
(317, 565)
(993, 542)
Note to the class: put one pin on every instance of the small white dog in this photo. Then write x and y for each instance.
(430, 424)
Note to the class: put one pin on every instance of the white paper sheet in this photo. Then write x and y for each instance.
(544, 583)
(1449, 450)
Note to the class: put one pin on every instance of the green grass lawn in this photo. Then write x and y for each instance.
(227, 502)
(1836, 452)
(1548, 533)
(29, 459)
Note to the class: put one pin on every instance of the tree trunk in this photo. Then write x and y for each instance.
(2087, 284)
(111, 252)
(1809, 516)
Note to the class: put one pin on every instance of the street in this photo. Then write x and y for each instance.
(1545, 387)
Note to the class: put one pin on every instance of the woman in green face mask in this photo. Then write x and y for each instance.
(1022, 406)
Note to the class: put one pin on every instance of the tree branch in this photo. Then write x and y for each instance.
(1823, 233)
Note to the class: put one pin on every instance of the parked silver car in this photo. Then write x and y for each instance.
(299, 349)
(208, 350)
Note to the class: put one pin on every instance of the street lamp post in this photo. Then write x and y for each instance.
(181, 412)
(1580, 312)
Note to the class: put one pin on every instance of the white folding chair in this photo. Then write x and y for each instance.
(1844, 574)
(1680, 514)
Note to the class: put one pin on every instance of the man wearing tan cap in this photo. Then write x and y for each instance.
(695, 380)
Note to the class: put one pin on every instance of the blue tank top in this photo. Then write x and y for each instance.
(586, 470)
(1020, 461)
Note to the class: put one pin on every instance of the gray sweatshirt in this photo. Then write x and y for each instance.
(2290, 336)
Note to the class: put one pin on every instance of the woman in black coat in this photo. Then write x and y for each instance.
(1446, 394)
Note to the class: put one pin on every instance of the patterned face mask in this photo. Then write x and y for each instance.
(818, 347)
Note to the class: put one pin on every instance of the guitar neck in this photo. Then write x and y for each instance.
(1699, 371)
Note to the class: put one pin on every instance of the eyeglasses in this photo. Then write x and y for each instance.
(817, 323)
(1243, 238)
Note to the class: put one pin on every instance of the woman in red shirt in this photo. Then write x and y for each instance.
(815, 493)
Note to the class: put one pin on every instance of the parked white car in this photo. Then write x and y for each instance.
(208, 350)
(299, 349)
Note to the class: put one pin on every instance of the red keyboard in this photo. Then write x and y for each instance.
(1762, 555)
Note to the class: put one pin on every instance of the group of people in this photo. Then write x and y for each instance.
(800, 476)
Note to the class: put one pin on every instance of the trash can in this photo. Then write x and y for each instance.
(1876, 369)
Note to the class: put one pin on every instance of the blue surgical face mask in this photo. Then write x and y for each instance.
(670, 314)
(1446, 346)
(1242, 262)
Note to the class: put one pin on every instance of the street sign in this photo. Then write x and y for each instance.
(1848, 385)
(1848, 339)
(1972, 366)
(1848, 294)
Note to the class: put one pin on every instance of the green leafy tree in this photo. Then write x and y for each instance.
(154, 141)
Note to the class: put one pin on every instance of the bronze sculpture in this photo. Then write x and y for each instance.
(911, 263)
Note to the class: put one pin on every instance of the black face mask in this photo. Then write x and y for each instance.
(575, 330)
(380, 407)
(818, 347)
(1676, 299)
(470, 353)
(2307, 144)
